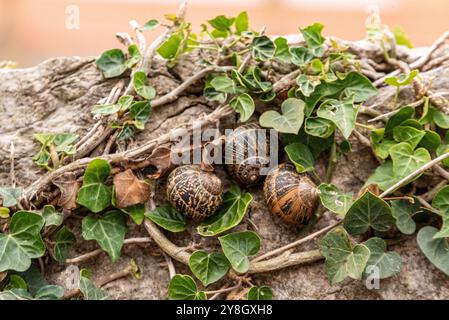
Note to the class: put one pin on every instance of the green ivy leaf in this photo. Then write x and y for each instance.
(300, 56)
(260, 293)
(51, 216)
(402, 79)
(406, 161)
(16, 282)
(145, 91)
(222, 23)
(319, 127)
(342, 259)
(441, 202)
(306, 84)
(168, 218)
(441, 119)
(136, 212)
(23, 242)
(213, 95)
(134, 56)
(241, 23)
(282, 52)
(208, 268)
(403, 211)
(301, 156)
(50, 292)
(383, 176)
(314, 39)
(64, 239)
(108, 231)
(169, 48)
(105, 108)
(112, 63)
(436, 250)
(291, 119)
(238, 246)
(94, 194)
(244, 105)
(334, 199)
(401, 38)
(90, 291)
(182, 287)
(342, 113)
(230, 214)
(127, 131)
(140, 112)
(262, 48)
(150, 25)
(389, 263)
(368, 211)
(395, 120)
(10, 196)
(431, 140)
(410, 135)
(224, 84)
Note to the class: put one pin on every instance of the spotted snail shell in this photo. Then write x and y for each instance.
(194, 192)
(289, 195)
(245, 155)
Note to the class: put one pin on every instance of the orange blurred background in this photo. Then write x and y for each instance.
(34, 30)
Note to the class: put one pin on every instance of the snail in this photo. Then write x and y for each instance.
(194, 192)
(245, 155)
(289, 195)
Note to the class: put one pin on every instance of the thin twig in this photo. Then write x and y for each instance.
(12, 172)
(170, 265)
(224, 290)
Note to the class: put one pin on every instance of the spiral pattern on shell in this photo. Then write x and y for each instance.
(289, 195)
(194, 192)
(245, 156)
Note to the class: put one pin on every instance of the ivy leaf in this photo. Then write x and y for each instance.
(291, 119)
(300, 56)
(262, 48)
(51, 216)
(136, 212)
(208, 268)
(335, 200)
(244, 105)
(389, 263)
(441, 202)
(169, 48)
(222, 23)
(368, 211)
(431, 140)
(150, 25)
(134, 56)
(301, 157)
(402, 79)
(383, 176)
(94, 194)
(241, 23)
(230, 214)
(10, 196)
(410, 135)
(401, 38)
(112, 63)
(342, 259)
(105, 108)
(260, 293)
(224, 84)
(238, 246)
(282, 52)
(319, 127)
(306, 85)
(213, 95)
(63, 143)
(342, 113)
(49, 292)
(22, 243)
(90, 291)
(182, 287)
(168, 218)
(403, 211)
(108, 231)
(314, 39)
(441, 119)
(405, 160)
(436, 250)
(64, 239)
(402, 115)
(143, 90)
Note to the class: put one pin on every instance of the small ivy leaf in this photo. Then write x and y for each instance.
(16, 282)
(260, 293)
(369, 211)
(402, 79)
(431, 140)
(63, 143)
(342, 259)
(129, 190)
(442, 149)
(383, 176)
(168, 218)
(319, 127)
(244, 105)
(301, 156)
(403, 211)
(224, 84)
(291, 119)
(127, 131)
(335, 200)
(125, 102)
(169, 48)
(182, 287)
(441, 202)
(441, 119)
(406, 161)
(241, 23)
(230, 214)
(4, 213)
(136, 212)
(410, 135)
(436, 250)
(50, 292)
(15, 294)
(262, 48)
(388, 263)
(51, 216)
(397, 119)
(68, 186)
(22, 243)
(213, 95)
(112, 63)
(306, 84)
(134, 56)
(300, 56)
(94, 194)
(150, 25)
(90, 291)
(108, 231)
(140, 112)
(105, 108)
(342, 113)
(401, 38)
(282, 52)
(208, 268)
(238, 246)
(314, 39)
(222, 23)
(10, 196)
(64, 239)
(145, 91)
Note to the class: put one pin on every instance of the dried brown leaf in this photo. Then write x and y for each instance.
(69, 186)
(130, 190)
(160, 159)
(373, 188)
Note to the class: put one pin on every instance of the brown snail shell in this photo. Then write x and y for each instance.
(289, 195)
(244, 158)
(194, 192)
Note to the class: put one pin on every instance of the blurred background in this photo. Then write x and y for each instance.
(34, 30)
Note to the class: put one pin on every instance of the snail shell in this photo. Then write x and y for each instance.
(244, 156)
(289, 195)
(194, 192)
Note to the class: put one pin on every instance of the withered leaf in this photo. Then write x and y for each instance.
(160, 159)
(69, 186)
(129, 190)
(373, 188)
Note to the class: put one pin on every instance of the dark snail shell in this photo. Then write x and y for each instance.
(194, 192)
(245, 156)
(289, 195)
